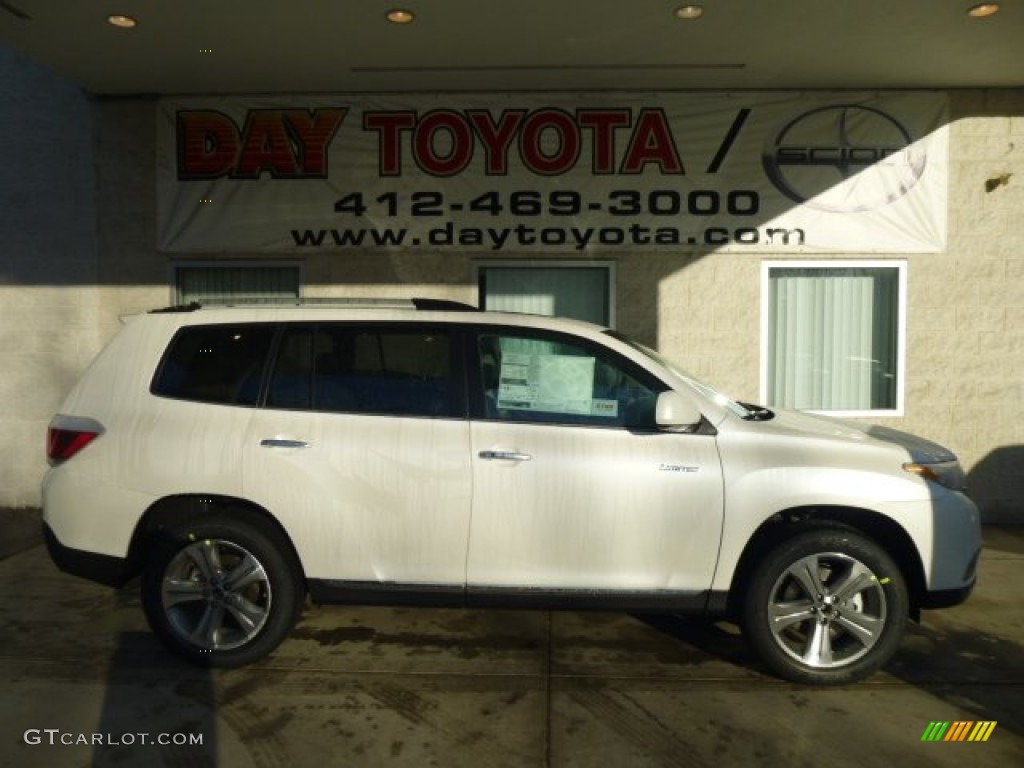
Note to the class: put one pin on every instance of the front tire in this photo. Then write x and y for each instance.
(826, 607)
(220, 591)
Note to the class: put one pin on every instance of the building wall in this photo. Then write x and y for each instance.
(965, 344)
(49, 301)
(966, 335)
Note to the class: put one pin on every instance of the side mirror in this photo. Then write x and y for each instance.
(676, 412)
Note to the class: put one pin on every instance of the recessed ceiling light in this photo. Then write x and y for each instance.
(121, 21)
(400, 16)
(689, 12)
(982, 10)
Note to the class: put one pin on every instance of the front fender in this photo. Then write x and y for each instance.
(754, 497)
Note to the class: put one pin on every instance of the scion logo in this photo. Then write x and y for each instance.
(844, 158)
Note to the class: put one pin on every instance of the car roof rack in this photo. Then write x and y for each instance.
(422, 304)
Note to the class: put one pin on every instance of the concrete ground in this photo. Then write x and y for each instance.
(450, 688)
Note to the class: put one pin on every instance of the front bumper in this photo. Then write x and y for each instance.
(947, 598)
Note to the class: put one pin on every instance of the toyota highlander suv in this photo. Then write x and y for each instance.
(239, 459)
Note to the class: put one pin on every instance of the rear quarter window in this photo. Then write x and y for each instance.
(215, 364)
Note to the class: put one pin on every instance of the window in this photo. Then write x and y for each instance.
(291, 383)
(833, 336)
(565, 289)
(553, 380)
(215, 364)
(205, 283)
(355, 369)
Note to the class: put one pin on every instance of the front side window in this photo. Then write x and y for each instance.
(833, 336)
(354, 369)
(548, 380)
(215, 364)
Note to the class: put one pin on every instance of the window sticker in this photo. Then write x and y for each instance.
(550, 384)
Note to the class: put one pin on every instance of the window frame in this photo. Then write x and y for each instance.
(609, 267)
(174, 288)
(901, 267)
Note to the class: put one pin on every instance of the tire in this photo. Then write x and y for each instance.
(825, 607)
(221, 592)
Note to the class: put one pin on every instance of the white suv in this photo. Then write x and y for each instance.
(240, 458)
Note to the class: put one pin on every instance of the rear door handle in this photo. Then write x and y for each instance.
(277, 442)
(504, 456)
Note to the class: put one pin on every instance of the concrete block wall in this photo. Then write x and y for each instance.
(965, 360)
(965, 309)
(49, 302)
(965, 375)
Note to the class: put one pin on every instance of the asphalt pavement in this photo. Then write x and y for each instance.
(87, 684)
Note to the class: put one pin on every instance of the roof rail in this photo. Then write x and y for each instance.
(422, 304)
(446, 305)
(177, 308)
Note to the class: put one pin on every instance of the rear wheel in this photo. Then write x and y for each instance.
(827, 606)
(221, 592)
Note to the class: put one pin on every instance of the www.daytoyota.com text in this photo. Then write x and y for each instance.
(634, 219)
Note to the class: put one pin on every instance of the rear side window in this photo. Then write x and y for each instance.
(215, 364)
(357, 369)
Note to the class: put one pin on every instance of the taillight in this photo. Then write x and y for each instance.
(62, 443)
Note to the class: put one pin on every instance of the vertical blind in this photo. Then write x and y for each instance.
(833, 338)
(579, 292)
(216, 283)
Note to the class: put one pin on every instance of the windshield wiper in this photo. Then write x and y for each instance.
(758, 412)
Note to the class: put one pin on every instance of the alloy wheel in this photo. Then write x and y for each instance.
(827, 610)
(216, 595)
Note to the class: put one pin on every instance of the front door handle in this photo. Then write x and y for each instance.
(504, 456)
(277, 442)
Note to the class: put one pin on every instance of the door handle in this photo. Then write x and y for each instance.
(276, 442)
(504, 456)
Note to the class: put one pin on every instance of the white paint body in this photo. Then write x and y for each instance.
(382, 499)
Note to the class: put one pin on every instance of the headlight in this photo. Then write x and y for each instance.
(946, 473)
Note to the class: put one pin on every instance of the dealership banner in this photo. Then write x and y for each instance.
(554, 173)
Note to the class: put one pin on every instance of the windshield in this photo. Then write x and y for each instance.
(710, 392)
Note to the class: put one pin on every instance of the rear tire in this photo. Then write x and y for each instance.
(826, 607)
(220, 591)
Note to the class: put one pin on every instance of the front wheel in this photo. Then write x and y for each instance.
(827, 606)
(220, 591)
